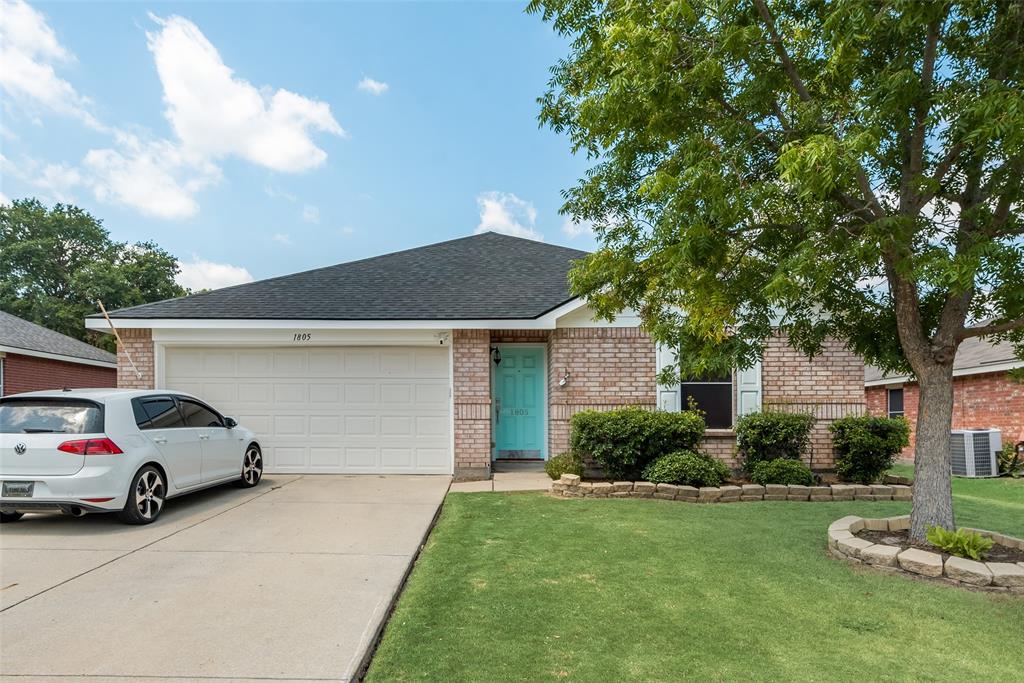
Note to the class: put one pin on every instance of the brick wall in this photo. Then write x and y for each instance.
(608, 367)
(829, 386)
(139, 344)
(979, 402)
(472, 399)
(29, 373)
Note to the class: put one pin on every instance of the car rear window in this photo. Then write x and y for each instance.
(50, 415)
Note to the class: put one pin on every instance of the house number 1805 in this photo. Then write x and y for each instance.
(302, 336)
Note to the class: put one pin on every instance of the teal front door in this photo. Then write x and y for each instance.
(519, 404)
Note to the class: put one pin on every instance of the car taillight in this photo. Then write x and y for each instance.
(102, 446)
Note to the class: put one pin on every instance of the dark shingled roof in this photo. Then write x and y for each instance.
(487, 276)
(21, 334)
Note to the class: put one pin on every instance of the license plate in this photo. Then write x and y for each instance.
(18, 489)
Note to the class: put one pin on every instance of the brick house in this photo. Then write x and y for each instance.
(34, 358)
(441, 360)
(984, 394)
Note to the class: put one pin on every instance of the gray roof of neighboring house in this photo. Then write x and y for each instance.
(16, 333)
(973, 357)
(486, 276)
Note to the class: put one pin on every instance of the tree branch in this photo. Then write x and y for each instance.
(985, 330)
(780, 50)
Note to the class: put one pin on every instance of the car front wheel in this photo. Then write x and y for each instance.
(252, 467)
(145, 497)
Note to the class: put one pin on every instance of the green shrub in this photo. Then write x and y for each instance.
(687, 468)
(961, 542)
(565, 463)
(866, 446)
(771, 435)
(1011, 463)
(626, 440)
(782, 471)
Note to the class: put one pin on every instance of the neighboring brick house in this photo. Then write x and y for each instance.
(441, 360)
(984, 394)
(34, 358)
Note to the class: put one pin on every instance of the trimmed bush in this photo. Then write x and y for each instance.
(564, 463)
(626, 440)
(866, 446)
(771, 435)
(1011, 463)
(688, 469)
(782, 471)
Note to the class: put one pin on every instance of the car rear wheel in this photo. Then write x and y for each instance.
(6, 517)
(252, 467)
(145, 497)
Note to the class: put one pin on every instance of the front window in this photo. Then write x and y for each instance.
(50, 416)
(713, 395)
(895, 402)
(198, 415)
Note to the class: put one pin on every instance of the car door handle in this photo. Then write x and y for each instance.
(204, 437)
(159, 439)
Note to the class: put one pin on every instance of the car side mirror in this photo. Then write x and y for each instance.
(230, 422)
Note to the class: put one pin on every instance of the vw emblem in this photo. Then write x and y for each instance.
(20, 448)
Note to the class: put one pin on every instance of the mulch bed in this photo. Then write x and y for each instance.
(901, 539)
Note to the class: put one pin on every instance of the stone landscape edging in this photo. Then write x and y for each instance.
(991, 576)
(570, 486)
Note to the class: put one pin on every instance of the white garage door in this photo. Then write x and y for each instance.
(327, 410)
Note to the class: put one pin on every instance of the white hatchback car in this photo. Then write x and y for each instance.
(116, 450)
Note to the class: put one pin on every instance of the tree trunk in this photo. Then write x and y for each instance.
(933, 495)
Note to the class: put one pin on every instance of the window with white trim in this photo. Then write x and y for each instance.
(713, 395)
(895, 402)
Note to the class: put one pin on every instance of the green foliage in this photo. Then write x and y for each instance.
(848, 169)
(688, 469)
(961, 542)
(782, 471)
(769, 435)
(564, 463)
(624, 441)
(56, 263)
(1011, 463)
(866, 446)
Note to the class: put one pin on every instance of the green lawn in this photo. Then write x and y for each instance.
(524, 587)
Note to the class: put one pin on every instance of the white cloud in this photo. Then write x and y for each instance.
(282, 238)
(158, 178)
(4, 199)
(29, 49)
(373, 87)
(310, 214)
(217, 114)
(573, 229)
(506, 213)
(276, 193)
(57, 180)
(203, 274)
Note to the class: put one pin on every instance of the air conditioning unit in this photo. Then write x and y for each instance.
(974, 452)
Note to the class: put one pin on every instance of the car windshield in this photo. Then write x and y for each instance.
(43, 415)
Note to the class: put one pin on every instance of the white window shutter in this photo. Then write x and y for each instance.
(668, 394)
(748, 388)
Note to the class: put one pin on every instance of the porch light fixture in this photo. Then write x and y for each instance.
(496, 355)
(565, 378)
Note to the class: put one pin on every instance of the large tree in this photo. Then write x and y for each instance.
(842, 168)
(56, 263)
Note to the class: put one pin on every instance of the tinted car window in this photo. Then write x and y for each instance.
(43, 415)
(141, 418)
(163, 414)
(197, 415)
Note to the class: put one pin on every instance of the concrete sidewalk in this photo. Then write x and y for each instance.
(525, 476)
(288, 581)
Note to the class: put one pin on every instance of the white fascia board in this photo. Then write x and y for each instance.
(56, 356)
(957, 372)
(545, 322)
(299, 337)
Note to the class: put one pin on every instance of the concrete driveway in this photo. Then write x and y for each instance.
(287, 581)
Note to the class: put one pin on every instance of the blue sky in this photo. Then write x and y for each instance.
(256, 139)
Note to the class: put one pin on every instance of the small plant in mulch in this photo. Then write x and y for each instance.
(997, 552)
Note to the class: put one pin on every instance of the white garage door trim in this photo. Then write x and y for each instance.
(328, 409)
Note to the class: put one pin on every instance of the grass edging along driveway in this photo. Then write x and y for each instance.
(524, 587)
